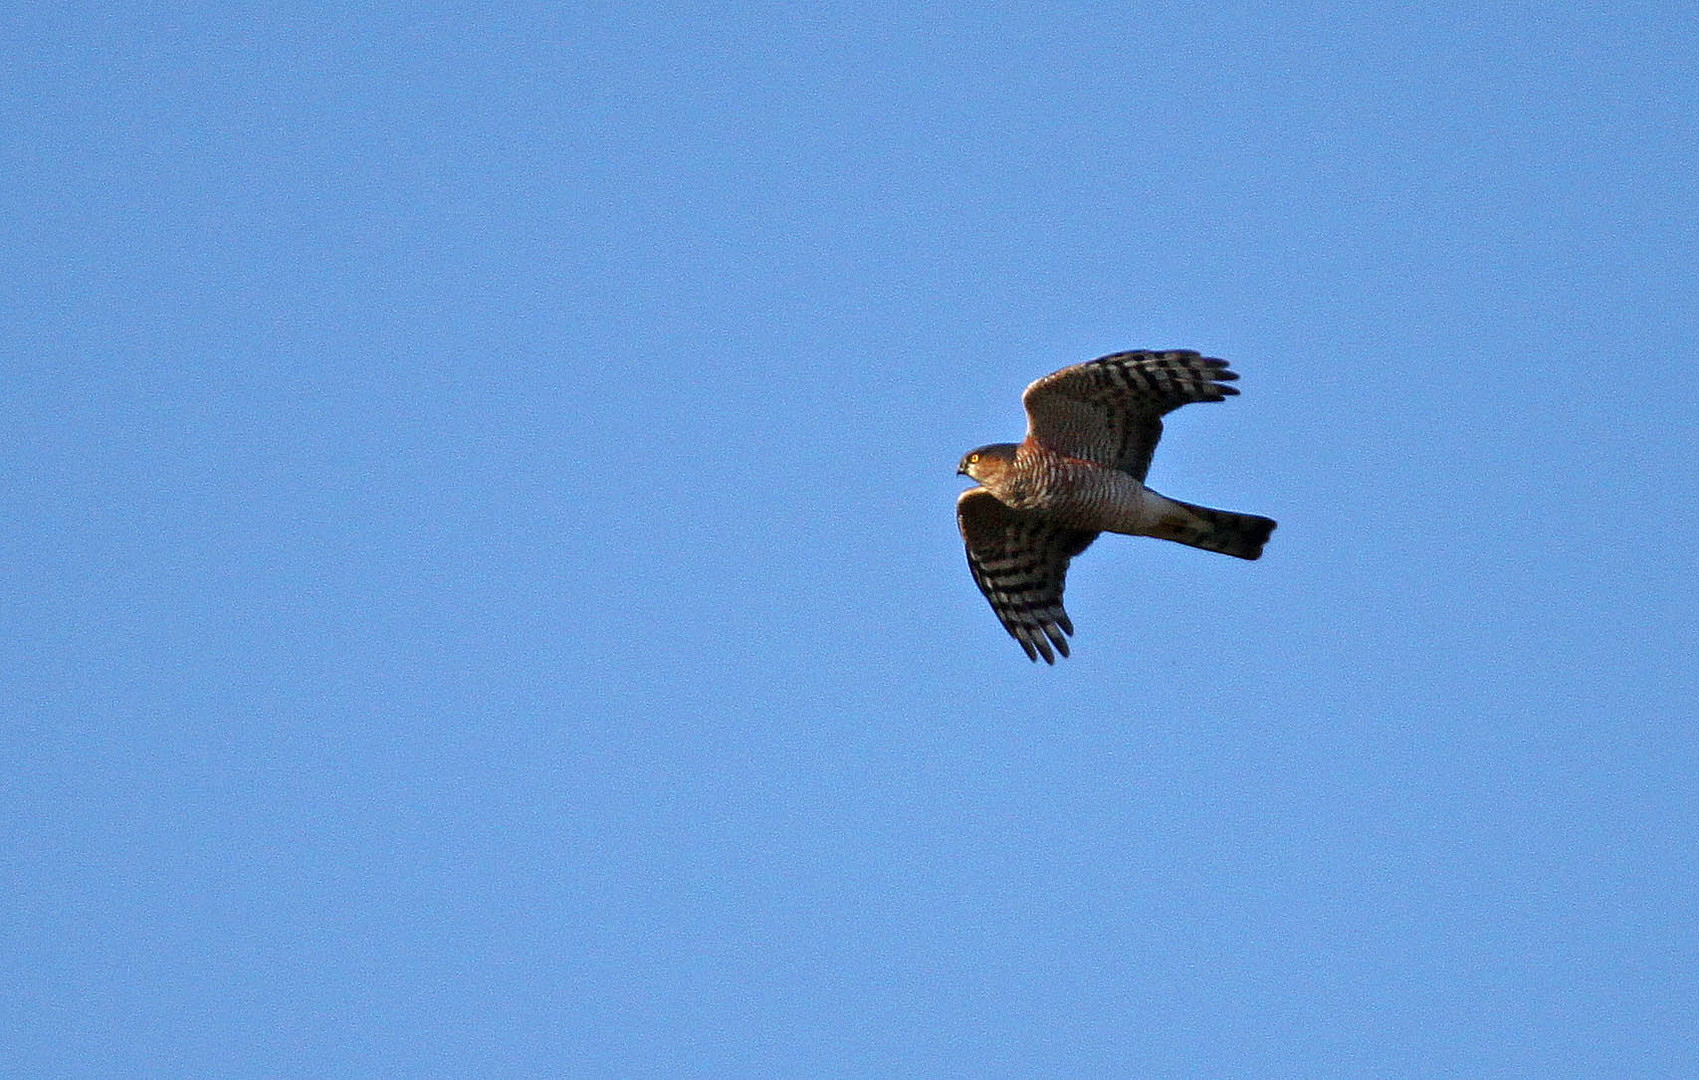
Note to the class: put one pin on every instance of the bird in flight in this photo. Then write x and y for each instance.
(1091, 430)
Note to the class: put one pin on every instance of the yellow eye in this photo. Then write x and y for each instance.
(972, 458)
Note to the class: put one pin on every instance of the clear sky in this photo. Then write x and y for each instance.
(480, 592)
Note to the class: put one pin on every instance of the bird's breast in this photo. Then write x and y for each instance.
(1082, 493)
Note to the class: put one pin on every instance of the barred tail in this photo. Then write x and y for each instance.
(1239, 535)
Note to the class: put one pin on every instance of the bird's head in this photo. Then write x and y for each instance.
(988, 463)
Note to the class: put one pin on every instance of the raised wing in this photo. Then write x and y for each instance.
(1110, 410)
(1020, 562)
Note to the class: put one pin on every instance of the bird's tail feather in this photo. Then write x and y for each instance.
(1239, 535)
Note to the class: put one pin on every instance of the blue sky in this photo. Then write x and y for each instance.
(482, 594)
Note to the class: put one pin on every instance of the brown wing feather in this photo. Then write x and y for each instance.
(1020, 562)
(1110, 410)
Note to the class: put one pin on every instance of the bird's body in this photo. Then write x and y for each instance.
(1080, 472)
(1079, 493)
